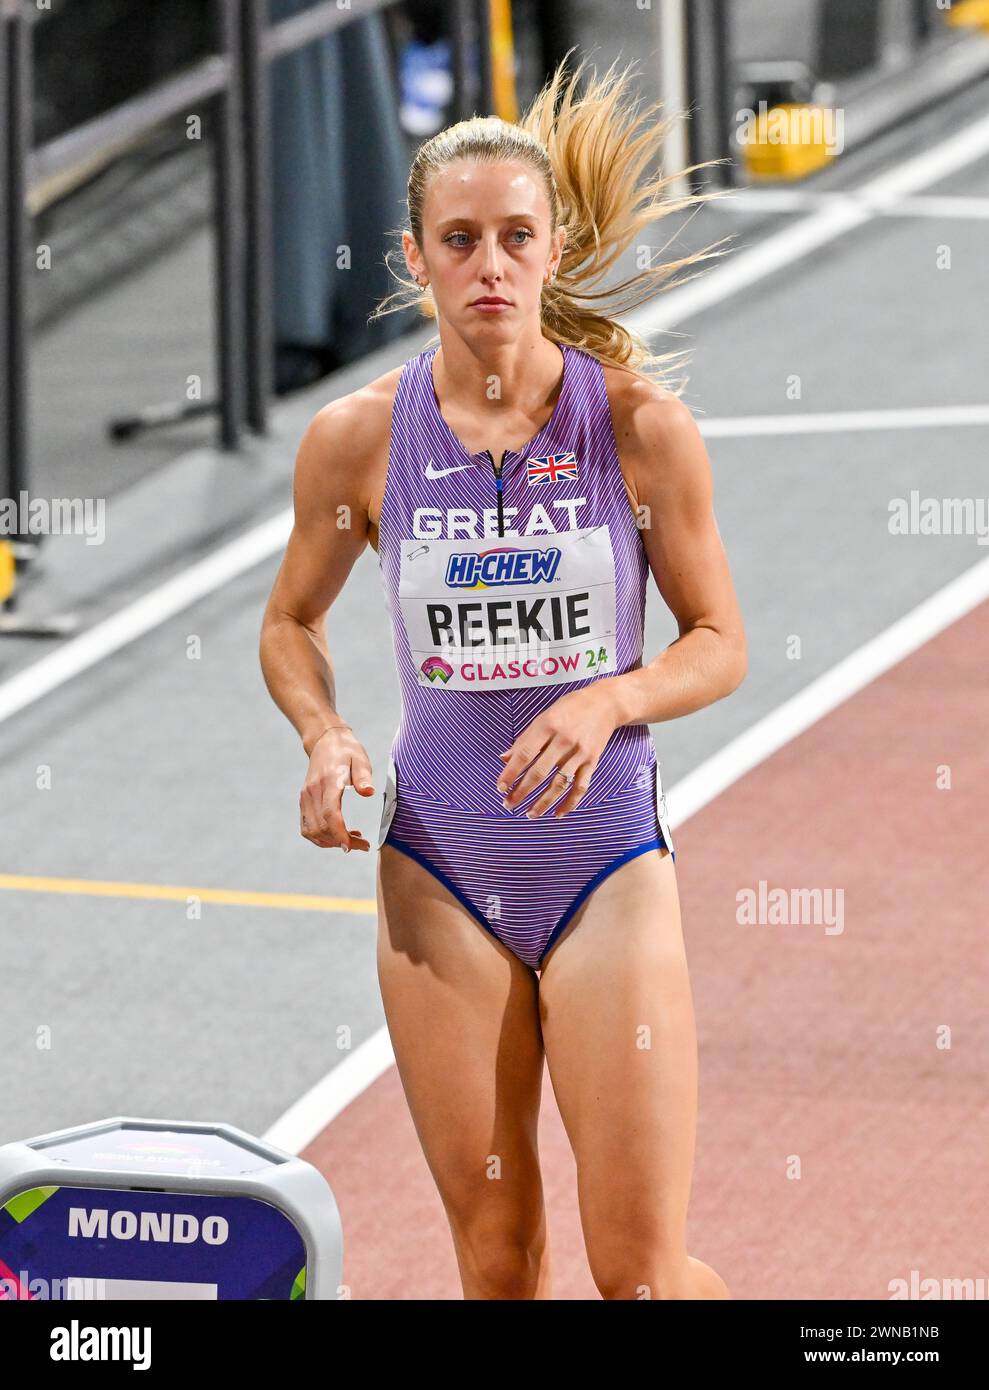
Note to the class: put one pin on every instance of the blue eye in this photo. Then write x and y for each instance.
(527, 235)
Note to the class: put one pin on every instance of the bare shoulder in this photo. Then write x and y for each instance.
(659, 443)
(345, 446)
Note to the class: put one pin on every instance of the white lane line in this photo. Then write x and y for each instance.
(310, 1115)
(748, 267)
(833, 688)
(306, 1119)
(149, 611)
(839, 421)
(806, 200)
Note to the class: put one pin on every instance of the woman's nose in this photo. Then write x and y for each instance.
(491, 260)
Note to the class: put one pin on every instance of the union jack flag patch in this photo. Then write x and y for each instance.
(549, 468)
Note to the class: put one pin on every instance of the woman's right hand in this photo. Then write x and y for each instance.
(337, 760)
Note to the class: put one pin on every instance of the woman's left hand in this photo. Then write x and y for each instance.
(570, 735)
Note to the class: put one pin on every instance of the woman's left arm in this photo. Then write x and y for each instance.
(668, 476)
(668, 473)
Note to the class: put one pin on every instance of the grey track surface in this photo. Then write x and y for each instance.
(169, 770)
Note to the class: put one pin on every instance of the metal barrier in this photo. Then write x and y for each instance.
(234, 80)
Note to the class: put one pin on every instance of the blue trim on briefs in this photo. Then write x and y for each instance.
(658, 842)
(445, 880)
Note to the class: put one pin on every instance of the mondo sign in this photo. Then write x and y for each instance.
(133, 1210)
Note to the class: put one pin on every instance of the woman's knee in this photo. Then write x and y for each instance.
(501, 1255)
(639, 1271)
(504, 1269)
(635, 1253)
(634, 1270)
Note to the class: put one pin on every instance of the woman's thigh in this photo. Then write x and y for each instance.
(618, 1030)
(463, 1015)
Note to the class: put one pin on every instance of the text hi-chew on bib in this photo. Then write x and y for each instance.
(510, 612)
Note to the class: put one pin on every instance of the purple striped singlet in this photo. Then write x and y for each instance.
(503, 599)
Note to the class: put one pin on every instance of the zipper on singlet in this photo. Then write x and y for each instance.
(497, 472)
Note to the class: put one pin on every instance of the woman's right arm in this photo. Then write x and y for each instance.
(330, 494)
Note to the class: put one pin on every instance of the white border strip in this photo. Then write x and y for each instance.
(824, 694)
(839, 421)
(746, 268)
(202, 578)
(310, 1115)
(808, 200)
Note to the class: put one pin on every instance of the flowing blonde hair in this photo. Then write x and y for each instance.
(590, 152)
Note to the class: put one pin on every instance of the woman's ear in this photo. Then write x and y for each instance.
(413, 259)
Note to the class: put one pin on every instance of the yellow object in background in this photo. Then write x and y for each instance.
(965, 13)
(7, 573)
(503, 61)
(787, 141)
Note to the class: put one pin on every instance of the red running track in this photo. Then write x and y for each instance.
(819, 1050)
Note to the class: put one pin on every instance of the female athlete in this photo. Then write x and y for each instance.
(519, 482)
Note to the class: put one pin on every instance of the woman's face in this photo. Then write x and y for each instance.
(486, 234)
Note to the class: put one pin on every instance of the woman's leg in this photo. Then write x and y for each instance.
(618, 1029)
(463, 1015)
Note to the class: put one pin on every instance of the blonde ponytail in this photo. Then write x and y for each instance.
(590, 151)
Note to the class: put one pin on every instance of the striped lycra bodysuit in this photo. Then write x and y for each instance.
(506, 593)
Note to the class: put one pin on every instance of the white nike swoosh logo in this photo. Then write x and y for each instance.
(432, 472)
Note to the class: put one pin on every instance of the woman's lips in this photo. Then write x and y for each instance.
(489, 308)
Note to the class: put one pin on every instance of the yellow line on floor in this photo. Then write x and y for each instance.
(304, 902)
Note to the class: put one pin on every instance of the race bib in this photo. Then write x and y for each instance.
(510, 612)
